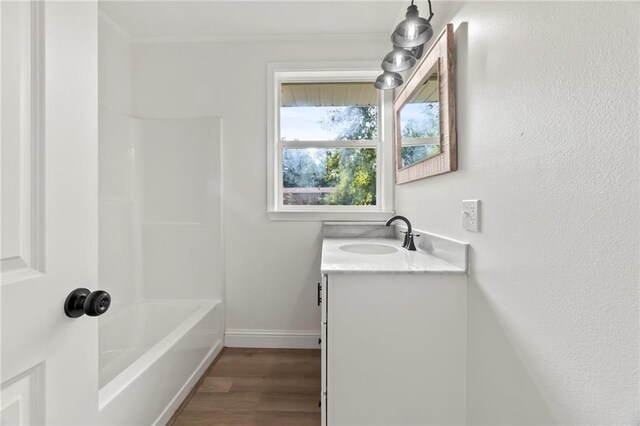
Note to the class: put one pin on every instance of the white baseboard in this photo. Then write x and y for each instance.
(293, 339)
(171, 408)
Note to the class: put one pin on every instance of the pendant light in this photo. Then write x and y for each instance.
(408, 40)
(414, 30)
(398, 60)
(388, 80)
(417, 51)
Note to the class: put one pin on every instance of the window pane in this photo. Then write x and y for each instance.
(338, 176)
(328, 111)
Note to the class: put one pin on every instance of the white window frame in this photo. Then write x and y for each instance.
(279, 73)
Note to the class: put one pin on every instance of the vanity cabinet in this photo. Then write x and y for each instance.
(393, 348)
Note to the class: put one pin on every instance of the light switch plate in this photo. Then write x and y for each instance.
(471, 215)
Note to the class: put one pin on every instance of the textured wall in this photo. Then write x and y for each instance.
(548, 140)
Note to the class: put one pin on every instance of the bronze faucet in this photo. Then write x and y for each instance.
(408, 235)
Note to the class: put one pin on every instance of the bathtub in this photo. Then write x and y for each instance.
(151, 355)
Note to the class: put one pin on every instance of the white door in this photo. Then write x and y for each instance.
(48, 122)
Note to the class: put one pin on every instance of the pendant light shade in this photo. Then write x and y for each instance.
(398, 60)
(414, 30)
(388, 80)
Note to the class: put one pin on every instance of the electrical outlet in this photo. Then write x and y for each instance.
(471, 215)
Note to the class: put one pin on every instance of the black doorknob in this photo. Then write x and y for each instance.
(82, 301)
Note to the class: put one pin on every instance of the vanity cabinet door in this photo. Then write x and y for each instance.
(396, 349)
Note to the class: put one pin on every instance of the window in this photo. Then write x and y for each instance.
(337, 164)
(327, 144)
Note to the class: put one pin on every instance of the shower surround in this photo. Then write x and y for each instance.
(161, 260)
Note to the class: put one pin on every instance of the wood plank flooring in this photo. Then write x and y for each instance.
(257, 387)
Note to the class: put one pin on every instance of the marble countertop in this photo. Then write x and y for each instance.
(335, 259)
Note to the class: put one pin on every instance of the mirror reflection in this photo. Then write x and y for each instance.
(420, 123)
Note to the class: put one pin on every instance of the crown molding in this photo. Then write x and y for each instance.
(108, 20)
(262, 38)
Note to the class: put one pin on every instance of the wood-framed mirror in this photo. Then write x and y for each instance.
(424, 115)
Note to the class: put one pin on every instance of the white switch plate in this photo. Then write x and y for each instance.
(471, 215)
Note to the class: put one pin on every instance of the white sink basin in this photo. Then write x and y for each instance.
(363, 248)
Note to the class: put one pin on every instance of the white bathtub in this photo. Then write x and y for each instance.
(151, 355)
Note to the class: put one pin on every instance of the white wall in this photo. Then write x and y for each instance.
(271, 267)
(548, 104)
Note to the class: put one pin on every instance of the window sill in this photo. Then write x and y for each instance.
(319, 216)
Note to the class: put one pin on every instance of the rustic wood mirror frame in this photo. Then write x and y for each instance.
(441, 56)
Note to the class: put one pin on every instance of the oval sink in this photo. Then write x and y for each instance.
(363, 248)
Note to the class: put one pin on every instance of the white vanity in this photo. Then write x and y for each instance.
(393, 328)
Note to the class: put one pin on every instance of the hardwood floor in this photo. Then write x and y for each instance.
(257, 387)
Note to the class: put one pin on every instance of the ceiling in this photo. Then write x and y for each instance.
(245, 20)
(328, 94)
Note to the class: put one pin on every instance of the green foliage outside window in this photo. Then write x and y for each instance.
(350, 173)
(353, 171)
